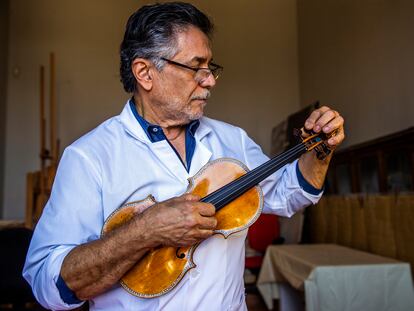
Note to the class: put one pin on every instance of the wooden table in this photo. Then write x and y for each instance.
(4, 224)
(334, 277)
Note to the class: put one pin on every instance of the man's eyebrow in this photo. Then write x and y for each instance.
(199, 59)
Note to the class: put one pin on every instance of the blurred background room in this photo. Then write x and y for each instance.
(59, 78)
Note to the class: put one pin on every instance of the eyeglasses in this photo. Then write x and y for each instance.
(201, 73)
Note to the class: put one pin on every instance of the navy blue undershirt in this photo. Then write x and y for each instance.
(67, 295)
(155, 134)
(305, 185)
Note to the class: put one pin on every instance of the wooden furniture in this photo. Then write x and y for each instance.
(333, 277)
(377, 223)
(369, 199)
(382, 165)
(7, 224)
(39, 183)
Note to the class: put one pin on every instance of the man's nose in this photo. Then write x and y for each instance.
(208, 82)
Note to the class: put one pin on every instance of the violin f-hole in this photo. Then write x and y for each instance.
(181, 256)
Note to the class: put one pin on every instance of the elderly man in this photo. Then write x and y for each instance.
(159, 140)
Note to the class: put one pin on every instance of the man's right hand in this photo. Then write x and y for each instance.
(91, 268)
(180, 221)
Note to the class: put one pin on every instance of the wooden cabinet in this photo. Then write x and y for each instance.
(383, 165)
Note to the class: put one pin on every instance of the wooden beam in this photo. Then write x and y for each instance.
(52, 111)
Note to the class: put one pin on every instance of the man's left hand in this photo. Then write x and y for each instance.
(327, 120)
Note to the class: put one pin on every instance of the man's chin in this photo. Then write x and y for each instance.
(198, 111)
(196, 116)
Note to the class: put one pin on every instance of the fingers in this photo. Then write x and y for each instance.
(205, 209)
(310, 123)
(203, 215)
(204, 234)
(328, 125)
(198, 236)
(337, 139)
(193, 201)
(190, 197)
(327, 120)
(324, 119)
(209, 223)
(184, 220)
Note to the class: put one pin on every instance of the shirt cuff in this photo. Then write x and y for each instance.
(304, 184)
(67, 295)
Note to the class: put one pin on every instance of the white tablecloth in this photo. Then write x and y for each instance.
(334, 277)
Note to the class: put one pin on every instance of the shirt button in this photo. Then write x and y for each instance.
(155, 129)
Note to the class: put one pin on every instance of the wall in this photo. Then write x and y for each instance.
(4, 29)
(358, 57)
(256, 42)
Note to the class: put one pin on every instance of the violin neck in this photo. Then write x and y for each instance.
(226, 194)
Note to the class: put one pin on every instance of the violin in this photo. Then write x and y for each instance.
(232, 189)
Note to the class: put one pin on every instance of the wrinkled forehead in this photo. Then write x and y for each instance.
(193, 45)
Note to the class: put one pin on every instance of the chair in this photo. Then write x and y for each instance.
(14, 290)
(264, 232)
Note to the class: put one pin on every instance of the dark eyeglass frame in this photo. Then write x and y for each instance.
(213, 68)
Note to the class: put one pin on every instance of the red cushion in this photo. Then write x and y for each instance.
(263, 232)
(253, 262)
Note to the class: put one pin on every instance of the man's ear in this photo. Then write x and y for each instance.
(141, 70)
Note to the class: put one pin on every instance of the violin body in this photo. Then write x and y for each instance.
(162, 268)
(237, 198)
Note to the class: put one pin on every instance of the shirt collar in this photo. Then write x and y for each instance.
(154, 132)
(129, 122)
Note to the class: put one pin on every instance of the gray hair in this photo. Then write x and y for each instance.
(151, 34)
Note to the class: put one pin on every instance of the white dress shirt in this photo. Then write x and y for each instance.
(117, 163)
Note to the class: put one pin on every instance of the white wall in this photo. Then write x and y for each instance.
(256, 42)
(358, 57)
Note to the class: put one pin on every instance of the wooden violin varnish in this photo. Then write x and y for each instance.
(231, 188)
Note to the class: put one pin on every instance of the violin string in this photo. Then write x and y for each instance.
(257, 171)
(232, 192)
(250, 175)
(220, 195)
(235, 189)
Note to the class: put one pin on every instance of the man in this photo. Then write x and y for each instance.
(158, 141)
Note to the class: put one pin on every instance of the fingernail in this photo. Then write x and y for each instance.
(326, 128)
(317, 128)
(331, 141)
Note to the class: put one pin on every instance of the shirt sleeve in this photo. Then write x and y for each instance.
(285, 191)
(75, 206)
